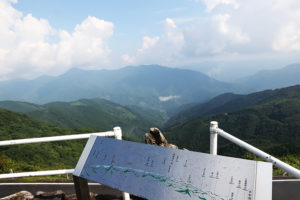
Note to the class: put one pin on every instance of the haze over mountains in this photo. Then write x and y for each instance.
(145, 96)
(150, 86)
(272, 79)
(137, 98)
(171, 90)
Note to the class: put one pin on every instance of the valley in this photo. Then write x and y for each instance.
(268, 119)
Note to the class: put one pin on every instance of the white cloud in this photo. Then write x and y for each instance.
(87, 45)
(168, 98)
(212, 4)
(148, 43)
(163, 49)
(127, 59)
(26, 49)
(210, 37)
(230, 29)
(173, 36)
(233, 33)
(288, 38)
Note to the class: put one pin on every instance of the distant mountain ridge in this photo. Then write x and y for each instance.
(150, 86)
(231, 102)
(272, 79)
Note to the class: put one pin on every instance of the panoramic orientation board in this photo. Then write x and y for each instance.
(161, 173)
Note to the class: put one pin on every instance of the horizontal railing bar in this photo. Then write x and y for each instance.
(282, 165)
(55, 138)
(48, 139)
(37, 173)
(287, 180)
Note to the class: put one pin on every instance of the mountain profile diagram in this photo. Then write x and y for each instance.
(158, 173)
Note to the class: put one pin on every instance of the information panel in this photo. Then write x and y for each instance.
(161, 173)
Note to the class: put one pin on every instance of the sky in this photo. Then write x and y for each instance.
(226, 39)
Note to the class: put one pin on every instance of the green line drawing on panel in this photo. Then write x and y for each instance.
(179, 186)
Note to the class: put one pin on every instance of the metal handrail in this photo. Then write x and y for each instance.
(116, 133)
(215, 131)
(37, 173)
(55, 138)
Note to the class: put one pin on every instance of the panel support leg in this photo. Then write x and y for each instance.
(81, 188)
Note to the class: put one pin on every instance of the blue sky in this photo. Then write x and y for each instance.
(225, 39)
(132, 19)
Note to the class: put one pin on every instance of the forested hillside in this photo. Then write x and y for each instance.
(92, 113)
(270, 120)
(272, 125)
(231, 102)
(28, 157)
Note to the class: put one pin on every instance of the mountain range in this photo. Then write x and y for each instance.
(152, 86)
(136, 121)
(270, 120)
(272, 79)
(230, 102)
(92, 113)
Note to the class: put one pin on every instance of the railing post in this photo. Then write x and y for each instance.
(118, 136)
(213, 138)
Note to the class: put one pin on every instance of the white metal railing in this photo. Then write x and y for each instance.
(37, 173)
(215, 131)
(117, 133)
(55, 138)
